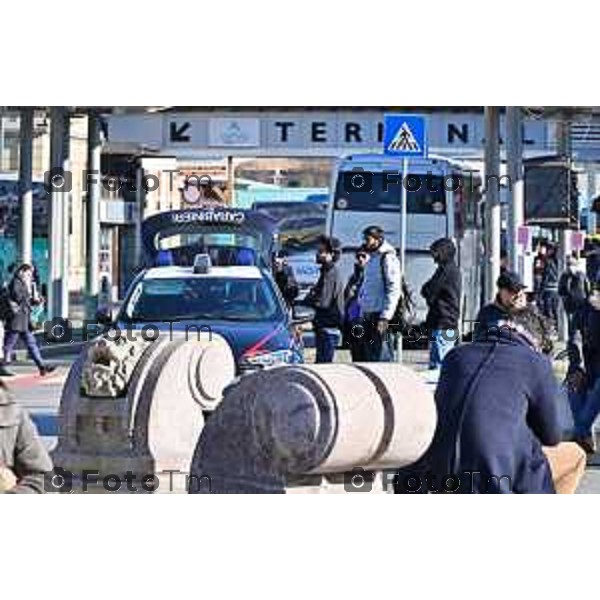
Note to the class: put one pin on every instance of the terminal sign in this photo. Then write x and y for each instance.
(188, 135)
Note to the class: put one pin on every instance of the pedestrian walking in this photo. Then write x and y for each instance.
(284, 277)
(327, 298)
(20, 297)
(354, 328)
(504, 261)
(502, 418)
(25, 459)
(592, 262)
(380, 295)
(538, 271)
(573, 289)
(584, 384)
(549, 286)
(442, 293)
(4, 315)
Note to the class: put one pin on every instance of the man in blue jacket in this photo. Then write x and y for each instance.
(498, 404)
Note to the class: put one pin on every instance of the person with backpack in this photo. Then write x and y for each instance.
(20, 298)
(354, 330)
(442, 293)
(573, 289)
(380, 295)
(327, 298)
(549, 286)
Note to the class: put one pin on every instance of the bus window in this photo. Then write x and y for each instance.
(470, 200)
(429, 198)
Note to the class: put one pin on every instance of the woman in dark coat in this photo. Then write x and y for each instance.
(18, 324)
(498, 403)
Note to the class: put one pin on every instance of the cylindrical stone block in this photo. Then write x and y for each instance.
(331, 418)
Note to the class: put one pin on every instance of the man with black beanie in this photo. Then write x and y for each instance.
(327, 298)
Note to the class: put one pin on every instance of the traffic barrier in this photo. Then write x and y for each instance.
(303, 426)
(139, 406)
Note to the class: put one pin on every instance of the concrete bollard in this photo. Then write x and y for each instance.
(282, 423)
(139, 406)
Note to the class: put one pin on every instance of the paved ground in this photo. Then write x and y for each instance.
(41, 396)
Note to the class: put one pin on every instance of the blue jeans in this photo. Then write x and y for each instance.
(443, 340)
(10, 339)
(326, 341)
(586, 407)
(377, 347)
(550, 305)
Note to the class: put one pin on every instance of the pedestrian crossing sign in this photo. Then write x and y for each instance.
(405, 135)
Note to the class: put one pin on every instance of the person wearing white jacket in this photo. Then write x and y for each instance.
(380, 294)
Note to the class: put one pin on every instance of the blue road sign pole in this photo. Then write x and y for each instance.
(405, 136)
(403, 214)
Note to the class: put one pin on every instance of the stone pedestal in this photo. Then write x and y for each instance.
(139, 406)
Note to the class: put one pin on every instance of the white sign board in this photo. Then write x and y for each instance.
(310, 133)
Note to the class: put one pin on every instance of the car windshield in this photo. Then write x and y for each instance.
(224, 249)
(202, 298)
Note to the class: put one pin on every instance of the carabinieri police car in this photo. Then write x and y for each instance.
(241, 303)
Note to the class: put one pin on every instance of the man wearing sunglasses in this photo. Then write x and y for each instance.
(510, 299)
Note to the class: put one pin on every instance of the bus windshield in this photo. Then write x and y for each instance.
(301, 234)
(425, 194)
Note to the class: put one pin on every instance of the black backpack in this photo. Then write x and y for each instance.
(404, 313)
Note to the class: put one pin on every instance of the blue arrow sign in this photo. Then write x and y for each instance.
(405, 135)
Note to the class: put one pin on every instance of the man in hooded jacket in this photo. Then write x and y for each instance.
(442, 294)
(380, 294)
